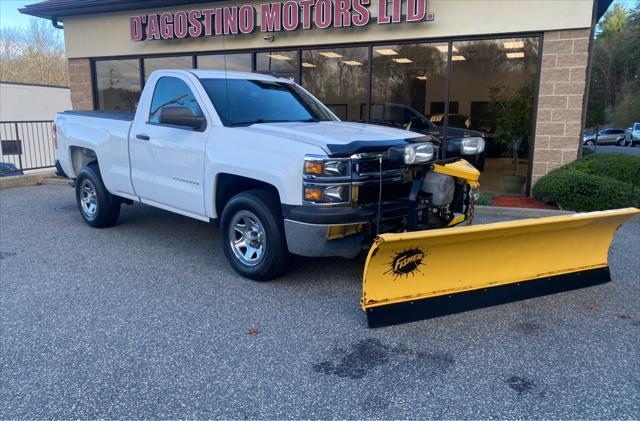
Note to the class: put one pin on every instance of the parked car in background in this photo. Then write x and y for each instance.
(407, 118)
(632, 135)
(605, 137)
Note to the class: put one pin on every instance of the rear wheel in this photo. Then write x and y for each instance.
(98, 207)
(252, 232)
(621, 142)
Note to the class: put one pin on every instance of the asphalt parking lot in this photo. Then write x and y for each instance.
(147, 320)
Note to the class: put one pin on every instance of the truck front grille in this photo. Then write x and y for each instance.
(371, 166)
(391, 192)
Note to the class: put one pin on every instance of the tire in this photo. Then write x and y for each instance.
(98, 207)
(621, 142)
(255, 216)
(590, 143)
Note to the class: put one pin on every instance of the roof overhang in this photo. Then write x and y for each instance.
(57, 9)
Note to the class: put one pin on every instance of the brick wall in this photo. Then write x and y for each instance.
(80, 84)
(562, 88)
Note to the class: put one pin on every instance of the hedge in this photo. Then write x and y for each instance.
(596, 182)
(622, 167)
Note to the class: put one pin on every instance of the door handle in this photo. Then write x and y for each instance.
(142, 137)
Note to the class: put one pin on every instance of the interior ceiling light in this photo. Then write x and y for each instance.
(422, 77)
(279, 57)
(330, 54)
(445, 48)
(352, 63)
(509, 45)
(519, 54)
(402, 60)
(308, 65)
(458, 58)
(387, 52)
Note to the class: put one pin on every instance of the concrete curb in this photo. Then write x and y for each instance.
(36, 179)
(55, 181)
(528, 212)
(519, 212)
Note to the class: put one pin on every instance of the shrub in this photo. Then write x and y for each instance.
(587, 151)
(485, 198)
(574, 190)
(622, 167)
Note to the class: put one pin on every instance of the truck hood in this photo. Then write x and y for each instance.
(335, 137)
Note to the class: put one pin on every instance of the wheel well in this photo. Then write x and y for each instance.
(228, 185)
(81, 157)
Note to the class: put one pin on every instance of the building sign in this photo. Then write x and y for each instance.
(289, 15)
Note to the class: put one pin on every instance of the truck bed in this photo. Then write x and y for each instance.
(124, 115)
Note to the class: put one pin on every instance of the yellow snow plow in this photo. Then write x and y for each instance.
(422, 274)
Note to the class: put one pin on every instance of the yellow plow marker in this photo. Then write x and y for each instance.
(418, 275)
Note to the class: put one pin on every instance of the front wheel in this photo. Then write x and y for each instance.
(98, 207)
(252, 233)
(590, 143)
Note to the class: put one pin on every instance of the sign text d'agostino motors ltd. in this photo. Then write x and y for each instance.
(274, 17)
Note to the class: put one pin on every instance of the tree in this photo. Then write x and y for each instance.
(33, 54)
(615, 75)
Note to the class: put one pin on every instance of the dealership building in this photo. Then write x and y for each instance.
(515, 71)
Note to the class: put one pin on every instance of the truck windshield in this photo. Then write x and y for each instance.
(241, 102)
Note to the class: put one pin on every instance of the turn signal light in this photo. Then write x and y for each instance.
(313, 167)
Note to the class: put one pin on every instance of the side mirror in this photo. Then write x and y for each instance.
(181, 116)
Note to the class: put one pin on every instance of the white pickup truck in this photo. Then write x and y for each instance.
(266, 161)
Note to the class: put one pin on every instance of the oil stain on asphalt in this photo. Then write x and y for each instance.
(529, 328)
(366, 355)
(521, 385)
(5, 254)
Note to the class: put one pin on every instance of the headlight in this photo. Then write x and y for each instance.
(330, 194)
(318, 167)
(472, 146)
(413, 153)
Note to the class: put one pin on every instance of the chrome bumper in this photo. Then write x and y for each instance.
(321, 240)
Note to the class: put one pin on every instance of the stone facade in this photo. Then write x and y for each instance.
(80, 83)
(562, 88)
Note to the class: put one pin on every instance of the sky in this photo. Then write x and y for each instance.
(9, 15)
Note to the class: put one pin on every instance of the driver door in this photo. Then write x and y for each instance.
(167, 160)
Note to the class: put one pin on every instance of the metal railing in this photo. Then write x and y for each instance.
(27, 144)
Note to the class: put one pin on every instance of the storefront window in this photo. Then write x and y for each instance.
(164, 63)
(493, 83)
(118, 84)
(236, 62)
(409, 86)
(339, 77)
(279, 63)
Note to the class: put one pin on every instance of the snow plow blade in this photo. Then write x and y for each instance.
(419, 275)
